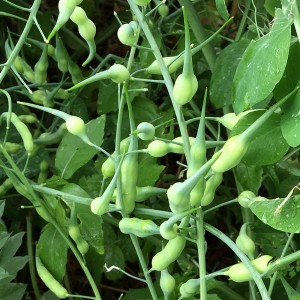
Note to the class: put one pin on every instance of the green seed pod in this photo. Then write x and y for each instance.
(40, 68)
(158, 148)
(168, 230)
(29, 119)
(128, 33)
(167, 283)
(172, 62)
(169, 254)
(49, 280)
(75, 72)
(179, 197)
(61, 55)
(76, 126)
(118, 73)
(87, 29)
(75, 234)
(12, 147)
(239, 272)
(190, 288)
(163, 10)
(185, 87)
(211, 185)
(5, 186)
(245, 243)
(232, 153)
(138, 227)
(66, 8)
(145, 131)
(245, 198)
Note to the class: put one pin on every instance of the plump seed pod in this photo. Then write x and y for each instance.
(61, 55)
(145, 131)
(232, 153)
(245, 243)
(167, 283)
(169, 254)
(76, 126)
(128, 33)
(210, 188)
(118, 73)
(87, 29)
(179, 197)
(163, 10)
(245, 198)
(168, 230)
(190, 288)
(12, 147)
(40, 68)
(158, 148)
(65, 8)
(239, 272)
(138, 227)
(49, 280)
(186, 84)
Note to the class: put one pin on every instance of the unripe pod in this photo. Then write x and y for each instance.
(232, 153)
(167, 283)
(169, 254)
(76, 126)
(185, 88)
(190, 288)
(245, 198)
(245, 243)
(138, 227)
(158, 148)
(211, 185)
(118, 73)
(163, 10)
(145, 131)
(168, 231)
(239, 272)
(127, 33)
(179, 198)
(12, 147)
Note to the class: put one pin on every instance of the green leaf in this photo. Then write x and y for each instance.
(288, 219)
(114, 257)
(73, 153)
(107, 98)
(91, 224)
(249, 177)
(15, 264)
(271, 5)
(52, 249)
(268, 145)
(149, 171)
(223, 73)
(10, 248)
(12, 291)
(222, 9)
(290, 121)
(262, 65)
(5, 277)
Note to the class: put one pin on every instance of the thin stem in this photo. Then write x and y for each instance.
(31, 259)
(201, 253)
(243, 21)
(33, 11)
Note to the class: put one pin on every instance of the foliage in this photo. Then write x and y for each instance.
(150, 148)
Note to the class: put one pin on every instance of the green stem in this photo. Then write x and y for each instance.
(243, 21)
(165, 73)
(199, 32)
(296, 18)
(201, 253)
(31, 259)
(33, 11)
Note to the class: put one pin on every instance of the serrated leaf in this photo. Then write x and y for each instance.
(287, 220)
(223, 73)
(73, 153)
(262, 65)
(222, 9)
(52, 249)
(268, 145)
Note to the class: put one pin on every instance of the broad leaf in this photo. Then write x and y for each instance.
(12, 291)
(223, 73)
(288, 219)
(52, 249)
(262, 65)
(73, 153)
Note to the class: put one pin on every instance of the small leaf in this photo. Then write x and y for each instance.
(288, 219)
(262, 65)
(73, 153)
(52, 249)
(222, 9)
(10, 248)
